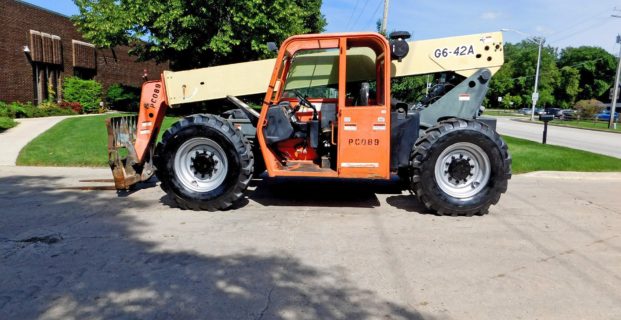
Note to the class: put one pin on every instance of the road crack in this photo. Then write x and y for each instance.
(267, 305)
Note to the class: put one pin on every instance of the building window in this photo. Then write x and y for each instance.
(83, 55)
(84, 60)
(46, 54)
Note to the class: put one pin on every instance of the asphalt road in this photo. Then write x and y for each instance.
(306, 249)
(589, 140)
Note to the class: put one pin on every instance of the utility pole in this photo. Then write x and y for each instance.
(536, 90)
(539, 41)
(613, 106)
(385, 20)
(615, 92)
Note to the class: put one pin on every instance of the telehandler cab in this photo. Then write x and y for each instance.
(327, 112)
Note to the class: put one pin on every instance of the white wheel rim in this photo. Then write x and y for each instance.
(200, 164)
(451, 167)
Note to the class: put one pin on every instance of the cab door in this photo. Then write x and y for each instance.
(364, 112)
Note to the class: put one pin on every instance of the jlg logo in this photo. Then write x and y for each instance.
(364, 142)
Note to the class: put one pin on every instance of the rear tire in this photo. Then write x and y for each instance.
(460, 167)
(204, 163)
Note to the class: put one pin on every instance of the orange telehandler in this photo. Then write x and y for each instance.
(327, 112)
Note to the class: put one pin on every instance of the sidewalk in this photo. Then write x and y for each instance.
(13, 140)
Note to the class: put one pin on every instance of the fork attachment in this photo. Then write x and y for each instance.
(131, 139)
(127, 170)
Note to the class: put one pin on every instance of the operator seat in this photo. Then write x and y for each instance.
(363, 98)
(283, 124)
(279, 127)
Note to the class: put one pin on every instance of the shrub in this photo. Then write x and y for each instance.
(87, 92)
(6, 123)
(16, 110)
(49, 109)
(28, 110)
(123, 98)
(5, 110)
(588, 108)
(75, 106)
(22, 110)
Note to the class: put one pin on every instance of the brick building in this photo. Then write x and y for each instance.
(38, 48)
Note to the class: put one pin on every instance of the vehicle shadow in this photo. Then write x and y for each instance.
(408, 203)
(317, 192)
(87, 254)
(352, 193)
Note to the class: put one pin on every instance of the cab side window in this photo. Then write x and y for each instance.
(363, 77)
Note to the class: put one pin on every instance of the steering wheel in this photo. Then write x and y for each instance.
(303, 101)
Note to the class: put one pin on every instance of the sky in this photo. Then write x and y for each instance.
(562, 23)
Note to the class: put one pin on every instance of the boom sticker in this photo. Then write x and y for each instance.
(458, 51)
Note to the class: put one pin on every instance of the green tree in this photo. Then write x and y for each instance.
(569, 87)
(502, 85)
(596, 68)
(197, 33)
(516, 79)
(409, 89)
(123, 97)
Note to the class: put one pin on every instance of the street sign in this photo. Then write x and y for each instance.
(535, 97)
(612, 90)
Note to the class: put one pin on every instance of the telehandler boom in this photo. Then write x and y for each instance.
(327, 112)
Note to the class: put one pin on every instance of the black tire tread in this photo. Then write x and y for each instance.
(242, 147)
(422, 149)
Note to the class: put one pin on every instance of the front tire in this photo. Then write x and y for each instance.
(460, 167)
(204, 163)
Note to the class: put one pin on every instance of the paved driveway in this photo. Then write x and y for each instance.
(551, 249)
(589, 140)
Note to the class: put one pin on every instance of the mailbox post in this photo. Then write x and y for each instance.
(545, 118)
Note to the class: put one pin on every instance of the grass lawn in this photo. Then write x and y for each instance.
(532, 156)
(502, 113)
(78, 141)
(6, 123)
(82, 141)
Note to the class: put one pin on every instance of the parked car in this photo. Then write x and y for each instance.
(617, 109)
(527, 111)
(605, 116)
(524, 111)
(556, 112)
(568, 114)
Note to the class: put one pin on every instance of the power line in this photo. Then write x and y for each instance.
(351, 15)
(593, 26)
(566, 32)
(359, 15)
(580, 22)
(379, 5)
